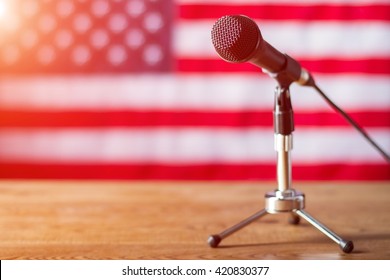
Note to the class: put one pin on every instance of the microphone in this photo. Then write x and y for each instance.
(237, 38)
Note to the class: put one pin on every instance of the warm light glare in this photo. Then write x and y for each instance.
(3, 8)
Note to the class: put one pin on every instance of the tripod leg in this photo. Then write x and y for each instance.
(214, 240)
(294, 219)
(346, 246)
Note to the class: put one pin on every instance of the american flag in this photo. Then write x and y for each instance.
(134, 89)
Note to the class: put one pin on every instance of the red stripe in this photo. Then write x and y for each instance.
(288, 12)
(248, 118)
(364, 118)
(192, 172)
(373, 66)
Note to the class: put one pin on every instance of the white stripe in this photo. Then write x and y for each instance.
(281, 2)
(166, 145)
(195, 92)
(301, 39)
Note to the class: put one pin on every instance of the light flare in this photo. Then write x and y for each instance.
(3, 8)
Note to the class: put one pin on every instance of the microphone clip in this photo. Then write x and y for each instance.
(288, 74)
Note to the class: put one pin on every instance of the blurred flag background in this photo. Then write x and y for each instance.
(133, 89)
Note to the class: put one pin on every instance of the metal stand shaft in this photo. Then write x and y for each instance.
(285, 198)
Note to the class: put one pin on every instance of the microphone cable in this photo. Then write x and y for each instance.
(352, 122)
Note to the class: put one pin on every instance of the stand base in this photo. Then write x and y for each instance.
(282, 202)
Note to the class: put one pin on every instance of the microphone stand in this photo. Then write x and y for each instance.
(285, 198)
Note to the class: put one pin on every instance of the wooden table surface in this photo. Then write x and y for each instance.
(172, 220)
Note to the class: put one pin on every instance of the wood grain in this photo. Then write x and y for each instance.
(172, 220)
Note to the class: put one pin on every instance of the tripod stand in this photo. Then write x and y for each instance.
(284, 199)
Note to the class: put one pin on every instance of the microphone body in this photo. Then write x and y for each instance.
(238, 39)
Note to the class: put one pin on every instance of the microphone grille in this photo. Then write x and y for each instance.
(235, 37)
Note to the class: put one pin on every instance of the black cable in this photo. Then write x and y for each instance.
(353, 123)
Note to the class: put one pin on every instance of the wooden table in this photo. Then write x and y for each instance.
(172, 220)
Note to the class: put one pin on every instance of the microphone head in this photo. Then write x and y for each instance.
(235, 38)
